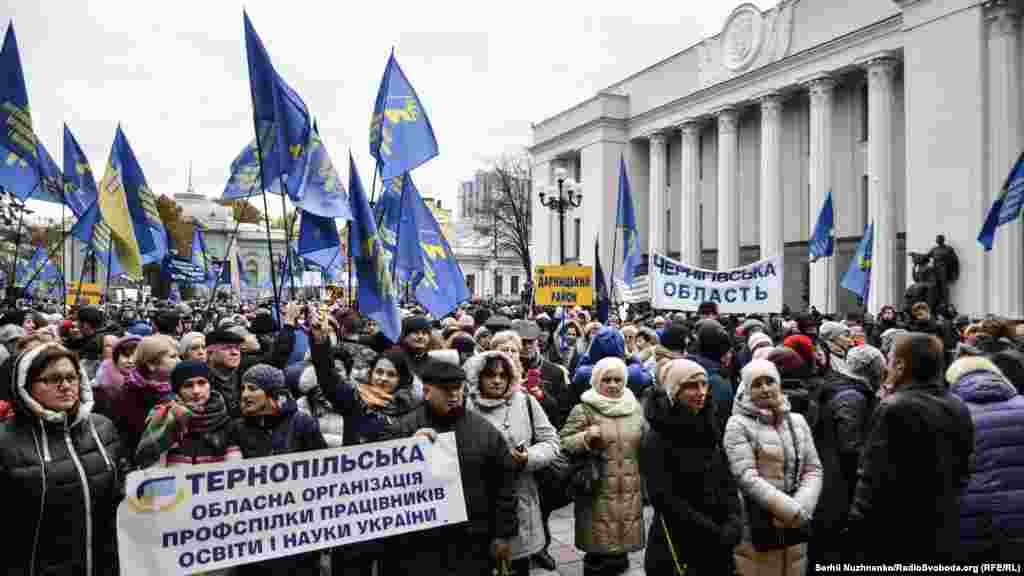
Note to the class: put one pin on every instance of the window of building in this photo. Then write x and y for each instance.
(497, 284)
(864, 198)
(513, 285)
(864, 112)
(577, 235)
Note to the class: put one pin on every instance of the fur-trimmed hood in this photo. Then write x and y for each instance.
(29, 406)
(475, 365)
(976, 379)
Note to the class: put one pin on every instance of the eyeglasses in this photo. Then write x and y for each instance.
(54, 380)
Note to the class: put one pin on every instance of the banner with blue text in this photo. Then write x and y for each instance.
(752, 288)
(212, 516)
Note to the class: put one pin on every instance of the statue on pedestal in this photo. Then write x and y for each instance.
(933, 272)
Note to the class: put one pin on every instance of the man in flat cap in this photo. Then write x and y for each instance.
(224, 354)
(488, 482)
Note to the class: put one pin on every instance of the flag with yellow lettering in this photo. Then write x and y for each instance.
(129, 208)
(401, 137)
(19, 168)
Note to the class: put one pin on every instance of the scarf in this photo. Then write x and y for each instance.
(611, 407)
(209, 416)
(373, 397)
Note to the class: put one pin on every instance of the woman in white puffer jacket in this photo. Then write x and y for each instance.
(772, 455)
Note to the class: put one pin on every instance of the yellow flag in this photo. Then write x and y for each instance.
(114, 208)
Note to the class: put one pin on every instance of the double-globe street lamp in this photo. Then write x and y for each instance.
(568, 198)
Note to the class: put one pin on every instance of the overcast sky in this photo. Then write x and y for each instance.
(174, 73)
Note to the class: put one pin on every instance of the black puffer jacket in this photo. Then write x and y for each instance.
(488, 483)
(288, 432)
(228, 384)
(692, 490)
(916, 462)
(63, 486)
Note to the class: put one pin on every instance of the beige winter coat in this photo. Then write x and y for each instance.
(760, 450)
(611, 522)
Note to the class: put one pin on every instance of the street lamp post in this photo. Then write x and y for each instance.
(568, 198)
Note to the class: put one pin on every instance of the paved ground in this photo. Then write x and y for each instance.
(569, 559)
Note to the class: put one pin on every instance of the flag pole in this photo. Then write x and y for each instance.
(266, 211)
(287, 236)
(63, 259)
(106, 289)
(398, 234)
(81, 278)
(227, 252)
(17, 241)
(348, 288)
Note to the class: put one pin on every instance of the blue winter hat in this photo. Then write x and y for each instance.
(140, 328)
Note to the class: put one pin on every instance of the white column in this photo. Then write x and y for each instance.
(689, 221)
(656, 199)
(728, 194)
(881, 205)
(1007, 285)
(541, 230)
(772, 239)
(823, 276)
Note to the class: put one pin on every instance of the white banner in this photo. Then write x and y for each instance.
(197, 518)
(752, 288)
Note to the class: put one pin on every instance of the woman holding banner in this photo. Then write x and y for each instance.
(58, 466)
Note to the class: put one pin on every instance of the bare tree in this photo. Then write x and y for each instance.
(505, 213)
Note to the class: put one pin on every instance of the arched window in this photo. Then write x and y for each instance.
(252, 272)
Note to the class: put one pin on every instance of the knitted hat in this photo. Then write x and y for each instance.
(122, 344)
(140, 329)
(526, 329)
(185, 344)
(832, 330)
(787, 360)
(266, 377)
(187, 370)
(802, 345)
(751, 325)
(9, 332)
(757, 340)
(866, 362)
(675, 373)
(262, 322)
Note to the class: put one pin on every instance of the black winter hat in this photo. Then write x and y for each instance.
(674, 337)
(223, 337)
(712, 339)
(186, 370)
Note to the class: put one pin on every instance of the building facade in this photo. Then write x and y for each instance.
(490, 273)
(908, 111)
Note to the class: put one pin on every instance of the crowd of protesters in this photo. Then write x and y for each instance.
(715, 444)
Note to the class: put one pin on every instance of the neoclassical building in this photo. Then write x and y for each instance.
(908, 111)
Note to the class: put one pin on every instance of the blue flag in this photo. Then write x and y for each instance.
(244, 180)
(95, 233)
(41, 269)
(401, 221)
(626, 220)
(242, 280)
(441, 286)
(80, 190)
(821, 243)
(401, 137)
(51, 181)
(376, 296)
(128, 206)
(322, 192)
(600, 286)
(19, 167)
(319, 241)
(1006, 207)
(282, 120)
(858, 276)
(201, 256)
